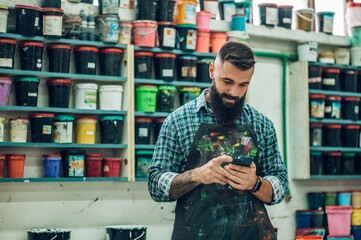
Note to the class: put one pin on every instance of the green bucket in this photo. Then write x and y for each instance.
(356, 36)
(188, 94)
(146, 98)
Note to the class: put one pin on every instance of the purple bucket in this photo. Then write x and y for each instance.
(5, 84)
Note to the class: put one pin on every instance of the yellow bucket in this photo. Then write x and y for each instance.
(356, 199)
(186, 12)
(85, 130)
(356, 217)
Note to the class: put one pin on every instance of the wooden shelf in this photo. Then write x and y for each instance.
(61, 145)
(144, 146)
(75, 179)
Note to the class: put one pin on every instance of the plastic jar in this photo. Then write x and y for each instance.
(27, 19)
(5, 85)
(186, 12)
(110, 97)
(165, 66)
(339, 220)
(110, 61)
(146, 98)
(42, 127)
(142, 159)
(203, 41)
(145, 33)
(165, 98)
(187, 37)
(326, 57)
(350, 108)
(7, 51)
(188, 94)
(268, 14)
(52, 22)
(349, 81)
(350, 136)
(111, 167)
(315, 200)
(314, 77)
(93, 165)
(285, 16)
(157, 126)
(31, 54)
(316, 163)
(15, 164)
(108, 26)
(325, 22)
(111, 129)
(142, 130)
(165, 10)
(226, 9)
(143, 64)
(167, 34)
(348, 166)
(218, 39)
(342, 56)
(245, 7)
(238, 22)
(332, 135)
(356, 199)
(4, 12)
(187, 68)
(52, 166)
(333, 107)
(316, 134)
(63, 129)
(317, 105)
(2, 129)
(73, 163)
(86, 60)
(18, 129)
(203, 70)
(332, 165)
(85, 130)
(125, 32)
(59, 92)
(330, 79)
(85, 96)
(305, 18)
(307, 51)
(26, 90)
(59, 57)
(303, 218)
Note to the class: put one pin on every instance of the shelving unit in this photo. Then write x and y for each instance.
(26, 180)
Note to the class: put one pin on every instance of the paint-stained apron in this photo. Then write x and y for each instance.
(215, 211)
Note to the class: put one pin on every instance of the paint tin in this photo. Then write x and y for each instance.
(226, 9)
(316, 163)
(18, 129)
(59, 92)
(165, 66)
(108, 26)
(111, 128)
(186, 37)
(5, 85)
(332, 135)
(52, 22)
(348, 164)
(356, 232)
(26, 90)
(187, 68)
(330, 199)
(142, 130)
(165, 98)
(42, 127)
(143, 158)
(165, 10)
(27, 19)
(146, 98)
(126, 232)
(63, 129)
(317, 218)
(356, 199)
(2, 129)
(315, 200)
(4, 12)
(110, 61)
(42, 234)
(350, 135)
(303, 218)
(268, 14)
(157, 126)
(15, 165)
(111, 167)
(73, 163)
(31, 54)
(188, 94)
(167, 35)
(85, 130)
(85, 96)
(332, 162)
(349, 81)
(110, 97)
(316, 134)
(7, 51)
(331, 79)
(325, 22)
(93, 163)
(339, 220)
(2, 164)
(143, 64)
(344, 198)
(52, 166)
(317, 105)
(333, 107)
(86, 60)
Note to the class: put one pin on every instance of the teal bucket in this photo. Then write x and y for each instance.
(356, 36)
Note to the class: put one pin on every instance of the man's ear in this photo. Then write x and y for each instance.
(211, 70)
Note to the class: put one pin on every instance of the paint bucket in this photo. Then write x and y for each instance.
(110, 97)
(42, 127)
(245, 7)
(165, 10)
(317, 218)
(317, 105)
(5, 85)
(2, 164)
(108, 26)
(86, 60)
(165, 66)
(85, 130)
(203, 42)
(326, 57)
(315, 200)
(332, 165)
(18, 129)
(218, 39)
(303, 218)
(110, 61)
(187, 68)
(63, 129)
(331, 132)
(144, 33)
(51, 3)
(27, 19)
(226, 9)
(344, 198)
(147, 9)
(125, 32)
(2, 129)
(142, 158)
(111, 167)
(85, 96)
(157, 126)
(349, 83)
(7, 51)
(146, 98)
(52, 166)
(3, 19)
(356, 199)
(111, 129)
(314, 77)
(350, 108)
(143, 65)
(305, 18)
(188, 94)
(315, 135)
(167, 35)
(186, 12)
(238, 22)
(356, 36)
(109, 6)
(203, 21)
(212, 7)
(52, 22)
(73, 163)
(348, 166)
(342, 56)
(331, 79)
(15, 165)
(325, 22)
(142, 130)
(356, 56)
(26, 90)
(268, 14)
(93, 165)
(187, 37)
(59, 92)
(59, 57)
(165, 98)
(333, 107)
(339, 220)
(330, 198)
(58, 234)
(285, 16)
(350, 135)
(126, 232)
(316, 163)
(356, 232)
(203, 69)
(307, 51)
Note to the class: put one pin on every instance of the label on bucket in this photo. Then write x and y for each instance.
(36, 23)
(271, 15)
(91, 65)
(90, 97)
(6, 62)
(211, 7)
(229, 10)
(142, 67)
(328, 24)
(314, 80)
(76, 165)
(334, 109)
(143, 132)
(189, 71)
(52, 25)
(169, 37)
(329, 81)
(316, 137)
(89, 133)
(124, 4)
(356, 109)
(110, 6)
(1, 132)
(47, 129)
(167, 73)
(32, 94)
(191, 39)
(63, 132)
(286, 20)
(142, 166)
(190, 14)
(317, 109)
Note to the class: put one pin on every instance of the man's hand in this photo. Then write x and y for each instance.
(240, 177)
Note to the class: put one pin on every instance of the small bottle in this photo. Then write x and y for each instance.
(84, 26)
(91, 26)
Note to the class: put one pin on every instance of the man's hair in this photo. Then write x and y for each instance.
(238, 54)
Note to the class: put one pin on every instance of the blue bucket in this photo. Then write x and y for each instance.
(238, 22)
(315, 200)
(344, 198)
(303, 218)
(356, 232)
(52, 166)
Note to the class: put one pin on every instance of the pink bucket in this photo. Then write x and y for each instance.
(145, 33)
(5, 84)
(339, 220)
(203, 21)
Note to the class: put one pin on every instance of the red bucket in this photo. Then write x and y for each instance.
(145, 33)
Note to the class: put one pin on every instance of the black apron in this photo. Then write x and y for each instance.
(214, 211)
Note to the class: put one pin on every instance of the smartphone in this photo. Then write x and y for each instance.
(241, 161)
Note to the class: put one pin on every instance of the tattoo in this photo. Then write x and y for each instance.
(181, 185)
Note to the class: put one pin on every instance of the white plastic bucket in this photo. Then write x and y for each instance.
(353, 15)
(3, 19)
(110, 97)
(342, 56)
(356, 56)
(125, 32)
(18, 130)
(108, 28)
(85, 96)
(307, 51)
(239, 36)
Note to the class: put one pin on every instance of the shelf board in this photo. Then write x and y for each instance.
(334, 149)
(75, 179)
(172, 83)
(85, 77)
(335, 177)
(152, 114)
(62, 40)
(61, 145)
(61, 110)
(175, 51)
(144, 146)
(137, 179)
(328, 65)
(334, 121)
(335, 93)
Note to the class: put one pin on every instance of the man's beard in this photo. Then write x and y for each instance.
(226, 113)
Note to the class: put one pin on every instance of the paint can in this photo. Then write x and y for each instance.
(125, 32)
(332, 165)
(93, 165)
(27, 20)
(7, 51)
(110, 61)
(108, 26)
(187, 37)
(268, 14)
(2, 164)
(143, 64)
(187, 68)
(41, 125)
(26, 90)
(18, 129)
(63, 129)
(111, 129)
(165, 66)
(317, 105)
(85, 130)
(59, 57)
(5, 85)
(332, 135)
(110, 97)
(303, 218)
(15, 165)
(165, 98)
(226, 9)
(342, 56)
(344, 198)
(4, 12)
(307, 51)
(339, 220)
(126, 232)
(52, 166)
(143, 158)
(142, 130)
(73, 163)
(85, 96)
(86, 60)
(49, 233)
(285, 16)
(111, 167)
(145, 33)
(59, 92)
(305, 18)
(356, 56)
(52, 22)
(167, 35)
(108, 6)
(325, 22)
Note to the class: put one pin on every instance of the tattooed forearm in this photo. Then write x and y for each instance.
(182, 184)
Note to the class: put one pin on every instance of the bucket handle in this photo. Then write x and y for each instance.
(306, 18)
(146, 33)
(139, 236)
(106, 25)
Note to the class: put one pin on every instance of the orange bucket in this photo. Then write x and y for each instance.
(203, 41)
(15, 165)
(218, 39)
(145, 33)
(2, 164)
